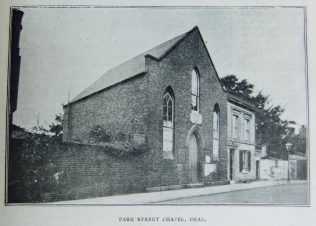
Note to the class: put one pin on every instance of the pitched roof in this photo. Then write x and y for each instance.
(240, 101)
(130, 68)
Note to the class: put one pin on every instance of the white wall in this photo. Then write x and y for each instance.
(269, 171)
(237, 175)
(242, 113)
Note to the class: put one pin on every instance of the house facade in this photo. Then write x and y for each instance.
(241, 152)
(169, 98)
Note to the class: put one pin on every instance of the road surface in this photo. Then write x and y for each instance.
(296, 194)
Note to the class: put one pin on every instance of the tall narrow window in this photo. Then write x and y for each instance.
(168, 125)
(247, 129)
(249, 161)
(241, 161)
(235, 126)
(195, 91)
(216, 132)
(244, 161)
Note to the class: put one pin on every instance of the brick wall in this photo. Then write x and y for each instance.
(90, 171)
(174, 70)
(120, 108)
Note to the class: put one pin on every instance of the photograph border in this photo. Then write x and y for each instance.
(166, 7)
(109, 215)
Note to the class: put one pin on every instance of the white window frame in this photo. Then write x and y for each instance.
(195, 94)
(246, 160)
(216, 131)
(247, 128)
(236, 126)
(168, 127)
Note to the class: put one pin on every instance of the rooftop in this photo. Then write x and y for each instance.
(130, 68)
(240, 101)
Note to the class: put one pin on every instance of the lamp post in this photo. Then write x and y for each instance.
(288, 148)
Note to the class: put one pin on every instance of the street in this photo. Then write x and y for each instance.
(296, 194)
(257, 192)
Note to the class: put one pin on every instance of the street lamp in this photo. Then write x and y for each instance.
(288, 148)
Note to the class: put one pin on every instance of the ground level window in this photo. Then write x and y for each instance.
(244, 161)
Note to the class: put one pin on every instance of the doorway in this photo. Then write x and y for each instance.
(193, 159)
(257, 169)
(231, 163)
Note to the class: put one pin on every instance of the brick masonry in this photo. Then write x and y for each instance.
(90, 171)
(135, 107)
(121, 108)
(175, 71)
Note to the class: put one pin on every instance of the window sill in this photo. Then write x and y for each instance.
(196, 117)
(237, 140)
(168, 155)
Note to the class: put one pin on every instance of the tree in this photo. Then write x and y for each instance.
(57, 127)
(271, 130)
(241, 89)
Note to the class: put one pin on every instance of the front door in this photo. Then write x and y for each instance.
(257, 169)
(193, 159)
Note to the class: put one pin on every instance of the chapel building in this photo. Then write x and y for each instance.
(171, 99)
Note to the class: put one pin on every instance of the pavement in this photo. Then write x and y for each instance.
(286, 194)
(163, 196)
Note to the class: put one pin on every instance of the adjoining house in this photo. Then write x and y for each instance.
(242, 165)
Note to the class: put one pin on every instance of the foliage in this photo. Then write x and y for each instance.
(120, 145)
(100, 134)
(39, 130)
(271, 130)
(298, 141)
(35, 173)
(241, 89)
(124, 149)
(31, 168)
(57, 127)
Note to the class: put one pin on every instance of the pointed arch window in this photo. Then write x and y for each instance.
(195, 92)
(168, 125)
(216, 129)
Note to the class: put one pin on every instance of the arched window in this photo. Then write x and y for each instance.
(195, 92)
(216, 132)
(168, 124)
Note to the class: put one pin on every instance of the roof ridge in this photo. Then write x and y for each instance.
(183, 35)
(234, 97)
(144, 53)
(133, 66)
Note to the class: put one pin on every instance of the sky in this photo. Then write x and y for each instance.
(64, 50)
